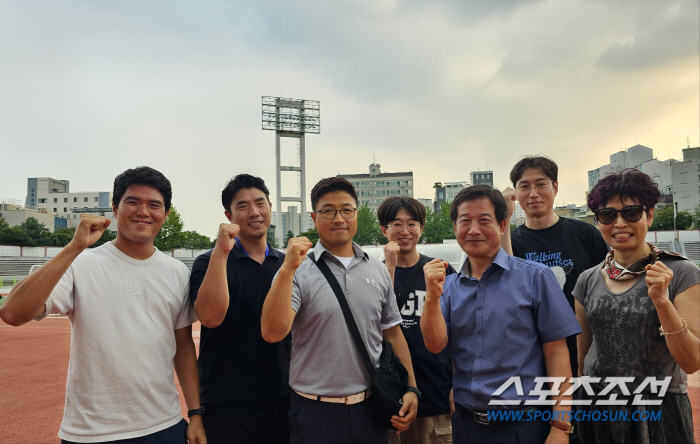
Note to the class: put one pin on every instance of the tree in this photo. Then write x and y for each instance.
(36, 231)
(438, 226)
(663, 220)
(311, 234)
(3, 223)
(107, 236)
(368, 231)
(195, 241)
(271, 237)
(61, 237)
(289, 235)
(15, 236)
(696, 217)
(170, 235)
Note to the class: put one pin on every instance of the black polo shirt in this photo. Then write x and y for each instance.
(238, 370)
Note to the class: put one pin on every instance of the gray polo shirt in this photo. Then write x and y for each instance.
(325, 360)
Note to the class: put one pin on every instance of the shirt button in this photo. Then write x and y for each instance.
(479, 331)
(479, 307)
(478, 356)
(481, 285)
(477, 399)
(474, 378)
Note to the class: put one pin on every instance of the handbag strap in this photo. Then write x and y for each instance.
(411, 281)
(347, 314)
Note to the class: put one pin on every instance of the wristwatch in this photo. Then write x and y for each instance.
(191, 413)
(565, 426)
(414, 390)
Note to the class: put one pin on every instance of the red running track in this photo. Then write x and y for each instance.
(33, 378)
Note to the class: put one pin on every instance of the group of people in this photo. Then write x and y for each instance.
(490, 349)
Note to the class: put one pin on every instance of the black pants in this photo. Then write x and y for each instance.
(176, 434)
(316, 422)
(269, 427)
(466, 430)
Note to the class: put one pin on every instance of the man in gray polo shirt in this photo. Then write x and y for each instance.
(329, 381)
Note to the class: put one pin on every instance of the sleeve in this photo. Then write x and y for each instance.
(685, 275)
(296, 290)
(62, 297)
(553, 315)
(597, 248)
(199, 270)
(186, 316)
(390, 311)
(579, 291)
(445, 303)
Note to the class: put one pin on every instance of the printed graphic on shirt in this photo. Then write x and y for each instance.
(413, 308)
(560, 266)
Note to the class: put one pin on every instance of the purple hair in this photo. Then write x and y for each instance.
(630, 184)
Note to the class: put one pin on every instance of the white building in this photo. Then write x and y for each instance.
(15, 215)
(376, 186)
(686, 180)
(54, 196)
(633, 157)
(291, 220)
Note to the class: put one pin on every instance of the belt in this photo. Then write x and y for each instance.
(483, 417)
(347, 400)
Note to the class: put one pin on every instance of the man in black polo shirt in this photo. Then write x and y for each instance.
(244, 379)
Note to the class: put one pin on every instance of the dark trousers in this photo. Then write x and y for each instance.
(466, 430)
(176, 434)
(269, 427)
(316, 422)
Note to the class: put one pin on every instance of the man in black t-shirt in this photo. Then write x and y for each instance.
(402, 220)
(567, 246)
(244, 379)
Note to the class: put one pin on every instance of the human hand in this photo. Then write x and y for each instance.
(557, 436)
(89, 230)
(435, 272)
(509, 195)
(658, 278)
(195, 431)
(407, 414)
(391, 253)
(297, 247)
(226, 238)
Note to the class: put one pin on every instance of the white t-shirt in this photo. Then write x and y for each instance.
(123, 313)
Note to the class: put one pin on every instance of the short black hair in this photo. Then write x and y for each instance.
(329, 185)
(629, 183)
(475, 192)
(390, 207)
(239, 182)
(142, 175)
(547, 165)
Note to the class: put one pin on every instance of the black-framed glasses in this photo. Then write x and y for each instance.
(630, 213)
(329, 213)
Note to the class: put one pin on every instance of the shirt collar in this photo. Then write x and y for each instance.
(239, 252)
(356, 249)
(501, 260)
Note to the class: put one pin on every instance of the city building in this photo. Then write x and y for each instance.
(446, 192)
(427, 203)
(291, 220)
(374, 187)
(482, 178)
(686, 180)
(15, 215)
(53, 195)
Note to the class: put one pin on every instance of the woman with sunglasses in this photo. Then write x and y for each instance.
(640, 315)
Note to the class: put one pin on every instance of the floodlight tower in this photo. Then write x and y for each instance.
(291, 118)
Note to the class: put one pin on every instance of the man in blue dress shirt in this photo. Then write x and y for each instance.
(503, 317)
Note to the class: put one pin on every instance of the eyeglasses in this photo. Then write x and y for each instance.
(410, 226)
(630, 213)
(526, 188)
(328, 213)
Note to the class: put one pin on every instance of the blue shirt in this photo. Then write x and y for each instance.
(497, 326)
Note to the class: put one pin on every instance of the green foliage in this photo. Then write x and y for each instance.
(289, 235)
(15, 236)
(663, 220)
(194, 241)
(696, 217)
(368, 230)
(311, 234)
(438, 226)
(61, 237)
(170, 235)
(271, 237)
(3, 223)
(107, 236)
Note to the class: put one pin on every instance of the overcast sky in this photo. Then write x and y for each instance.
(441, 88)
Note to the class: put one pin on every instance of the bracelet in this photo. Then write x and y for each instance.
(191, 413)
(666, 333)
(565, 426)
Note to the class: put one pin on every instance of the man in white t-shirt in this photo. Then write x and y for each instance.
(131, 323)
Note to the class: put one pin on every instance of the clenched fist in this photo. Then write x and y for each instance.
(435, 272)
(297, 247)
(226, 238)
(509, 196)
(89, 230)
(391, 252)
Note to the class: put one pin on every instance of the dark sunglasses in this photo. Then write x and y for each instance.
(630, 213)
